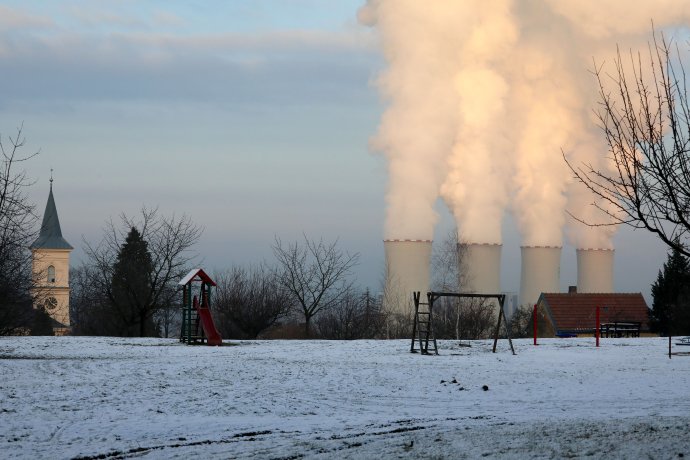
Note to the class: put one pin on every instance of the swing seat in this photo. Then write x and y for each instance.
(565, 335)
(684, 341)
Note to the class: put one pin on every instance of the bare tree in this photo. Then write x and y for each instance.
(398, 307)
(357, 316)
(168, 317)
(522, 322)
(453, 317)
(446, 275)
(315, 274)
(17, 230)
(645, 119)
(464, 318)
(248, 301)
(447, 317)
(169, 241)
(88, 305)
(477, 318)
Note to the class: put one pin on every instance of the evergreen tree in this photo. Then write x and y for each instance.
(670, 312)
(131, 297)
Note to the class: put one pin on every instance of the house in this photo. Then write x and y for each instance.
(575, 313)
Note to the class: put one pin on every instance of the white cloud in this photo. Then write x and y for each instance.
(14, 19)
(287, 66)
(97, 18)
(276, 40)
(167, 19)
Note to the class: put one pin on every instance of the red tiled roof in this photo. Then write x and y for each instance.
(577, 312)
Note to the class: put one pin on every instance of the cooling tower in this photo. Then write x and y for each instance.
(594, 270)
(540, 272)
(407, 270)
(480, 268)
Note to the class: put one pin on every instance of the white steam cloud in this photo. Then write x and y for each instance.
(475, 187)
(483, 98)
(416, 86)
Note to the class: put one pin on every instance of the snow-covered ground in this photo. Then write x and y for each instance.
(86, 397)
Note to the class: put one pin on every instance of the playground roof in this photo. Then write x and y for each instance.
(196, 275)
(576, 312)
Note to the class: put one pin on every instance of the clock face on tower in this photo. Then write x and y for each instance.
(51, 303)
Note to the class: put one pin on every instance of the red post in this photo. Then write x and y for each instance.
(598, 327)
(534, 315)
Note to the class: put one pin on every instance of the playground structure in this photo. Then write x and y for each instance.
(197, 324)
(423, 326)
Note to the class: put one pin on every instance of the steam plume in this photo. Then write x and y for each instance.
(417, 129)
(483, 98)
(475, 188)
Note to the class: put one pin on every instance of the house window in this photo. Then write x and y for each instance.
(51, 274)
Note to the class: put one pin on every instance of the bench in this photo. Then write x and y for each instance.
(620, 329)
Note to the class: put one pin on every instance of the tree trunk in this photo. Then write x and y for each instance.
(307, 327)
(457, 324)
(142, 324)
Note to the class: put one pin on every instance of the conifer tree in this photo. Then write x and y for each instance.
(168, 243)
(131, 288)
(670, 312)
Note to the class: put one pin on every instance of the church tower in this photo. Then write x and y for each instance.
(50, 265)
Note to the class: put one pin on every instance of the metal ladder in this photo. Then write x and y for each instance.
(423, 327)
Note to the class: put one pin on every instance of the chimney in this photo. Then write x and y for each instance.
(595, 270)
(407, 270)
(480, 268)
(540, 272)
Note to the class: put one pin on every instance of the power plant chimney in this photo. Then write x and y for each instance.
(408, 265)
(480, 268)
(594, 270)
(541, 272)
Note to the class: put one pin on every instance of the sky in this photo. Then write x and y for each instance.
(254, 118)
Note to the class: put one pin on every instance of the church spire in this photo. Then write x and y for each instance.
(51, 234)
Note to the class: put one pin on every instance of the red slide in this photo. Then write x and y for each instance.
(212, 335)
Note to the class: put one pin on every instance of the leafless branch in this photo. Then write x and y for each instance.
(17, 232)
(315, 273)
(170, 241)
(644, 114)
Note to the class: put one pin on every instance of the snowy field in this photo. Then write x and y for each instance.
(82, 397)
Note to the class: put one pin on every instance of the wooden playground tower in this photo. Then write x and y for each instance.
(423, 326)
(197, 323)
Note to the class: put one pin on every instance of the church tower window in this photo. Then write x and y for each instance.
(51, 274)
